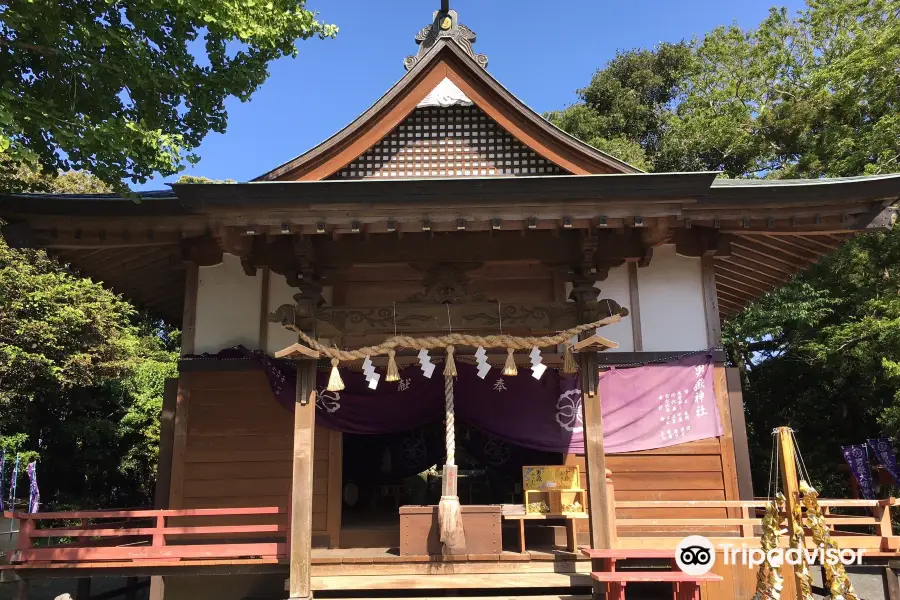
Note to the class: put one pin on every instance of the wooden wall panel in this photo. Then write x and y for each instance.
(692, 471)
(237, 449)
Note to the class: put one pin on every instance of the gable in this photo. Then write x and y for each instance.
(456, 140)
(446, 61)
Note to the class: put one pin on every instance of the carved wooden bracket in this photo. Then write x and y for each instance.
(203, 251)
(446, 283)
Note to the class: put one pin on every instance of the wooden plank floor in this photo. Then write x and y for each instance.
(385, 569)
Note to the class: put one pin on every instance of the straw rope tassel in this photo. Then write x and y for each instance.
(335, 383)
(449, 512)
(393, 373)
(450, 364)
(510, 368)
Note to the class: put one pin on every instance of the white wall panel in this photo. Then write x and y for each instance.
(673, 316)
(228, 305)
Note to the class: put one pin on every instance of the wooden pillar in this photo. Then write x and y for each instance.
(302, 485)
(157, 587)
(595, 456)
(584, 294)
(790, 484)
(179, 441)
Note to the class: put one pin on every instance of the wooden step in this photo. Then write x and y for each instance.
(447, 582)
(651, 576)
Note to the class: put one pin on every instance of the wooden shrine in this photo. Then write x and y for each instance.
(446, 208)
(553, 490)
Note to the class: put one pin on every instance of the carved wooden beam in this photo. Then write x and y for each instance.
(697, 242)
(423, 319)
(203, 251)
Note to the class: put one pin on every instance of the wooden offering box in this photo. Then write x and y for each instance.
(552, 490)
(420, 534)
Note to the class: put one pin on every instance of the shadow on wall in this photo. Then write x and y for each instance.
(51, 589)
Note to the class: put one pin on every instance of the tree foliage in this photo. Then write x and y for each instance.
(816, 95)
(126, 89)
(809, 96)
(81, 375)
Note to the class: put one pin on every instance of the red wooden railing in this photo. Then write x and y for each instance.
(258, 533)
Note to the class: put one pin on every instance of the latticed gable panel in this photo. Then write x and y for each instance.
(453, 141)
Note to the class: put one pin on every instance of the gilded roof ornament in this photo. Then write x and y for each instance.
(446, 25)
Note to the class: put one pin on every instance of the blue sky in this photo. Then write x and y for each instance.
(541, 51)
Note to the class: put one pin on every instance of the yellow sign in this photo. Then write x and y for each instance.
(552, 477)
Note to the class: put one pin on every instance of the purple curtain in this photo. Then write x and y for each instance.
(643, 408)
(659, 405)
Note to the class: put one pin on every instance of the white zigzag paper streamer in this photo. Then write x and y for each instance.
(425, 361)
(537, 363)
(481, 358)
(371, 376)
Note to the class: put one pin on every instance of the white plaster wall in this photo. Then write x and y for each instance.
(615, 287)
(673, 314)
(228, 305)
(280, 293)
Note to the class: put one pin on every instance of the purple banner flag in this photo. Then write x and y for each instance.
(883, 448)
(34, 495)
(857, 457)
(12, 485)
(2, 477)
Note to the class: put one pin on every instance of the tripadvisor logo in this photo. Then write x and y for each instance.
(695, 555)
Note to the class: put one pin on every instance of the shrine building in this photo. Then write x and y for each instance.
(300, 456)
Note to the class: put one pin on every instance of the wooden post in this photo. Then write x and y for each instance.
(595, 458)
(611, 510)
(891, 584)
(790, 484)
(302, 486)
(179, 441)
(157, 587)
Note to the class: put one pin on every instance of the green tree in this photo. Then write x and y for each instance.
(821, 354)
(126, 89)
(809, 96)
(816, 95)
(81, 375)
(624, 109)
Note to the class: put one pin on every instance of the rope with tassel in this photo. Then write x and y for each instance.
(510, 342)
(449, 510)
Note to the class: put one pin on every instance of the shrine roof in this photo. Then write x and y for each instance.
(448, 56)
